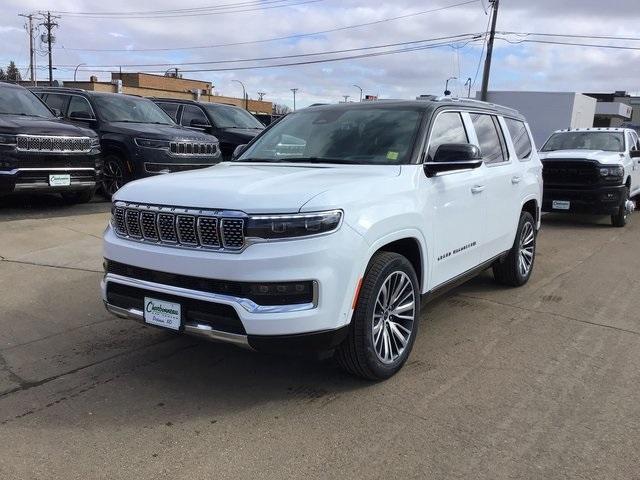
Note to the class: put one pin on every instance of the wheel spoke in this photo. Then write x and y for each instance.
(402, 308)
(398, 334)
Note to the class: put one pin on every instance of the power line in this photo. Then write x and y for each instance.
(574, 44)
(273, 39)
(459, 37)
(593, 37)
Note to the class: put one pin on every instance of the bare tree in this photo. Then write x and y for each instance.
(279, 109)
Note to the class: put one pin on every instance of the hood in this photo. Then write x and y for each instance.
(16, 124)
(154, 131)
(244, 134)
(600, 156)
(252, 188)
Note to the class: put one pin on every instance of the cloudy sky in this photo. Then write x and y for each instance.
(517, 66)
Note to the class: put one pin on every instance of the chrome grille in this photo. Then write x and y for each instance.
(192, 148)
(53, 144)
(181, 227)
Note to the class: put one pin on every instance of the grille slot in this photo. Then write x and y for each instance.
(188, 228)
(232, 232)
(53, 144)
(148, 224)
(192, 148)
(208, 232)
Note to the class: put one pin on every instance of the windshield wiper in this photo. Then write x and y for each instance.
(323, 160)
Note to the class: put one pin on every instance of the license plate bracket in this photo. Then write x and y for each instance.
(60, 180)
(561, 205)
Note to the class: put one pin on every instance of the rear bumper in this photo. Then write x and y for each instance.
(37, 179)
(606, 200)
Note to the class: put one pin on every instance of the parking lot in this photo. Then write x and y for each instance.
(536, 382)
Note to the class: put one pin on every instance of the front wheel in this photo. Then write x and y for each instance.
(114, 175)
(515, 269)
(620, 219)
(385, 321)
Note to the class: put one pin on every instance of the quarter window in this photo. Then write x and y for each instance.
(489, 138)
(79, 107)
(57, 101)
(448, 128)
(171, 109)
(520, 138)
(192, 115)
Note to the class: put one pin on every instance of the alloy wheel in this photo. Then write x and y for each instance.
(393, 317)
(527, 249)
(112, 177)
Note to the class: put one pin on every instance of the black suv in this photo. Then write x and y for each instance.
(231, 125)
(41, 153)
(138, 139)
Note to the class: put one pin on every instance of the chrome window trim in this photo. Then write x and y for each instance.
(247, 304)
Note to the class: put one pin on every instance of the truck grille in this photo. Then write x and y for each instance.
(180, 227)
(574, 173)
(53, 144)
(192, 148)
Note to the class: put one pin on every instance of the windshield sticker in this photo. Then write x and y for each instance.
(392, 155)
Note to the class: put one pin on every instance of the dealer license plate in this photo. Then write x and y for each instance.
(162, 313)
(60, 180)
(561, 205)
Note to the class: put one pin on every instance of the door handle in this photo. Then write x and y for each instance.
(478, 189)
(515, 179)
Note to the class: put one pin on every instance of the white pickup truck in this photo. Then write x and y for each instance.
(327, 230)
(592, 170)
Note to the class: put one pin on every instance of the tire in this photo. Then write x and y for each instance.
(114, 175)
(83, 196)
(510, 271)
(620, 219)
(360, 354)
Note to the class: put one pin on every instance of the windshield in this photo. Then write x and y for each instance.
(123, 108)
(232, 117)
(375, 135)
(20, 101)
(608, 141)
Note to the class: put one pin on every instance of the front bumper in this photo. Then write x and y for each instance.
(332, 262)
(605, 200)
(37, 179)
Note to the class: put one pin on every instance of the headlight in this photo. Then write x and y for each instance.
(7, 139)
(291, 226)
(617, 171)
(151, 143)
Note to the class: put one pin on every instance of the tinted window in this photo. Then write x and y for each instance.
(79, 107)
(117, 107)
(57, 101)
(607, 141)
(447, 129)
(171, 109)
(20, 101)
(520, 138)
(491, 144)
(192, 114)
(374, 135)
(232, 117)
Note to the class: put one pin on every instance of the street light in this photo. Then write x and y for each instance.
(76, 70)
(468, 83)
(244, 94)
(447, 92)
(346, 98)
(359, 88)
(294, 90)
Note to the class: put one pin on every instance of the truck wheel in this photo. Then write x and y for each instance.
(516, 268)
(385, 322)
(83, 196)
(620, 219)
(114, 175)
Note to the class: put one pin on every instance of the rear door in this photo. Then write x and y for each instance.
(503, 185)
(57, 101)
(454, 203)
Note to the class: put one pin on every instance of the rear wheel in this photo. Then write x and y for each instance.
(515, 270)
(114, 175)
(620, 219)
(385, 322)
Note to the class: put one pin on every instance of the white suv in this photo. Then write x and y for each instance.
(328, 229)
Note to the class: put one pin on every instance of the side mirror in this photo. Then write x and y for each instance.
(238, 151)
(450, 157)
(634, 153)
(198, 124)
(82, 116)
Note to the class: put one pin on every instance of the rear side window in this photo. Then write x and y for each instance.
(489, 137)
(448, 128)
(79, 107)
(57, 101)
(520, 138)
(170, 109)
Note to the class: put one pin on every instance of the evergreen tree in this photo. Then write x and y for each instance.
(3, 76)
(13, 74)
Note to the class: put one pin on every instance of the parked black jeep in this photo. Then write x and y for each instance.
(41, 153)
(231, 125)
(138, 139)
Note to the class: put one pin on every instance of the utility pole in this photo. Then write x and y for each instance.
(49, 25)
(487, 61)
(294, 90)
(261, 95)
(359, 88)
(346, 98)
(32, 67)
